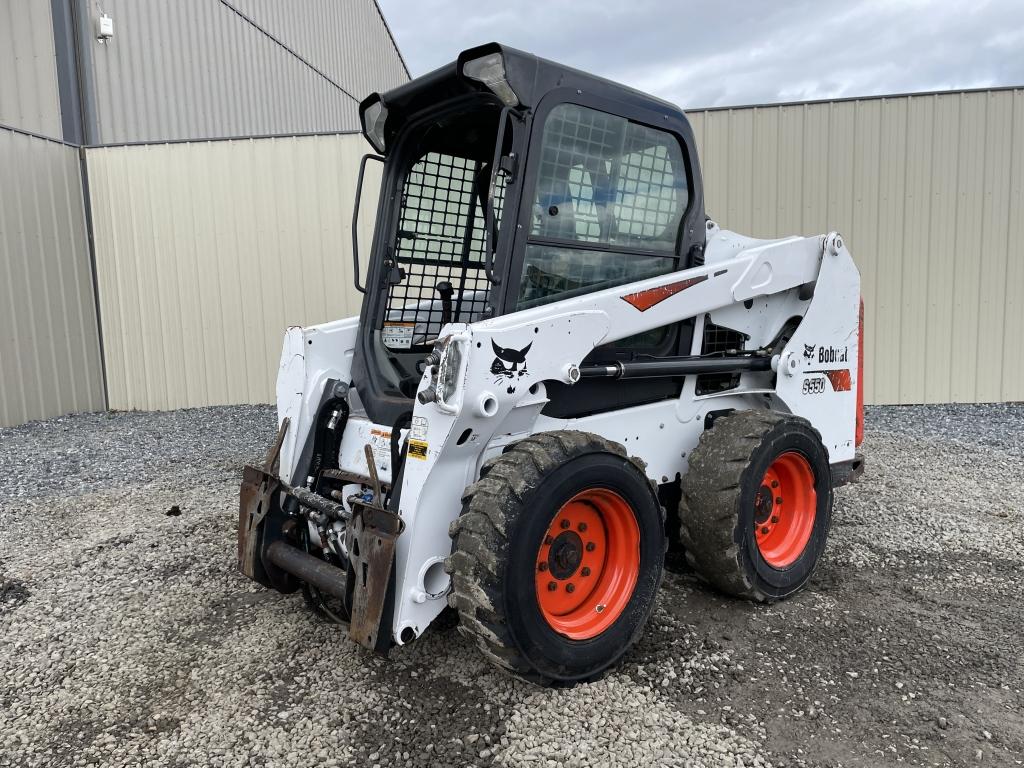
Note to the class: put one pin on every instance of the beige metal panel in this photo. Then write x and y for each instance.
(765, 173)
(196, 69)
(1013, 333)
(993, 248)
(911, 335)
(49, 346)
(941, 255)
(28, 68)
(966, 269)
(207, 251)
(927, 191)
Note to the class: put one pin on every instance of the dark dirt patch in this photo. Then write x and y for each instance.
(13, 593)
(912, 664)
(426, 719)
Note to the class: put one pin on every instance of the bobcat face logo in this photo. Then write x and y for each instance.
(809, 351)
(509, 364)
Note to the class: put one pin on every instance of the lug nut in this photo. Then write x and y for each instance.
(542, 567)
(552, 586)
(778, 499)
(566, 524)
(591, 546)
(570, 587)
(775, 483)
(585, 571)
(765, 529)
(582, 527)
(775, 519)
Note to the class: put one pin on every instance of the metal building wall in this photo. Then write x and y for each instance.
(49, 346)
(207, 251)
(194, 69)
(28, 69)
(927, 190)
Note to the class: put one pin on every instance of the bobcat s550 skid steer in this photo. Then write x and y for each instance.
(561, 367)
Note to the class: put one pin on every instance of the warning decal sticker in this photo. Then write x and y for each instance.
(418, 449)
(397, 335)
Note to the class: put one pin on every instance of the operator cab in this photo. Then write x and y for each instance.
(510, 182)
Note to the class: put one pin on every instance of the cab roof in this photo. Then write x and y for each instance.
(529, 76)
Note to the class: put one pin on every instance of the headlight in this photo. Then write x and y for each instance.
(448, 371)
(490, 70)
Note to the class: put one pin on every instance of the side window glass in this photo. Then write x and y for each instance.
(603, 179)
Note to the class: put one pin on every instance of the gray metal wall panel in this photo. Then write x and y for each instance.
(49, 346)
(28, 68)
(927, 190)
(349, 40)
(207, 251)
(195, 69)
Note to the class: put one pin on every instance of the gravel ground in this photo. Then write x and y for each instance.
(127, 638)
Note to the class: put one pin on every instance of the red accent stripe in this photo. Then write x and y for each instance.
(841, 381)
(859, 434)
(644, 300)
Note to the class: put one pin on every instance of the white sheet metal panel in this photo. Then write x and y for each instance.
(206, 252)
(195, 69)
(49, 346)
(927, 190)
(28, 68)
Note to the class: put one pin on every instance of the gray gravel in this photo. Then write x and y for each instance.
(126, 637)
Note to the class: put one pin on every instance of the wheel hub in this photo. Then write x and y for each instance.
(565, 554)
(763, 503)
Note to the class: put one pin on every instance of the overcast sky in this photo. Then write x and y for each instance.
(699, 54)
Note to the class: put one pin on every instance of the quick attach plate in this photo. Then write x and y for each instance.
(371, 534)
(254, 500)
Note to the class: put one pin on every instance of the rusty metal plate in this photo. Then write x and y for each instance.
(371, 546)
(254, 500)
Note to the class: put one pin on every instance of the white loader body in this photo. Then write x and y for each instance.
(501, 365)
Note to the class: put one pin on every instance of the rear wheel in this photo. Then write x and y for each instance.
(757, 504)
(558, 557)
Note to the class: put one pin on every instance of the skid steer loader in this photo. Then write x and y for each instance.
(561, 367)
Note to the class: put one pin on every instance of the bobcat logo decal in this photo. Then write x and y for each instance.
(509, 364)
(809, 351)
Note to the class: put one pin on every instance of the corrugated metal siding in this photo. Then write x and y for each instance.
(349, 40)
(195, 69)
(49, 347)
(206, 252)
(28, 68)
(927, 191)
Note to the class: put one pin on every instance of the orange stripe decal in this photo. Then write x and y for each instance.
(841, 381)
(644, 300)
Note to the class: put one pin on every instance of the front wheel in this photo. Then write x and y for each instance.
(558, 556)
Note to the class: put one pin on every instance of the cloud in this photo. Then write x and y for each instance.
(746, 51)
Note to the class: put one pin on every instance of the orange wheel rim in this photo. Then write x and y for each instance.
(784, 510)
(587, 564)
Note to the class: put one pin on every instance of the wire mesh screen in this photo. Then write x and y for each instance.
(441, 240)
(717, 341)
(604, 179)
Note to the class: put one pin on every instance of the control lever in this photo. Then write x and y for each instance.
(444, 290)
